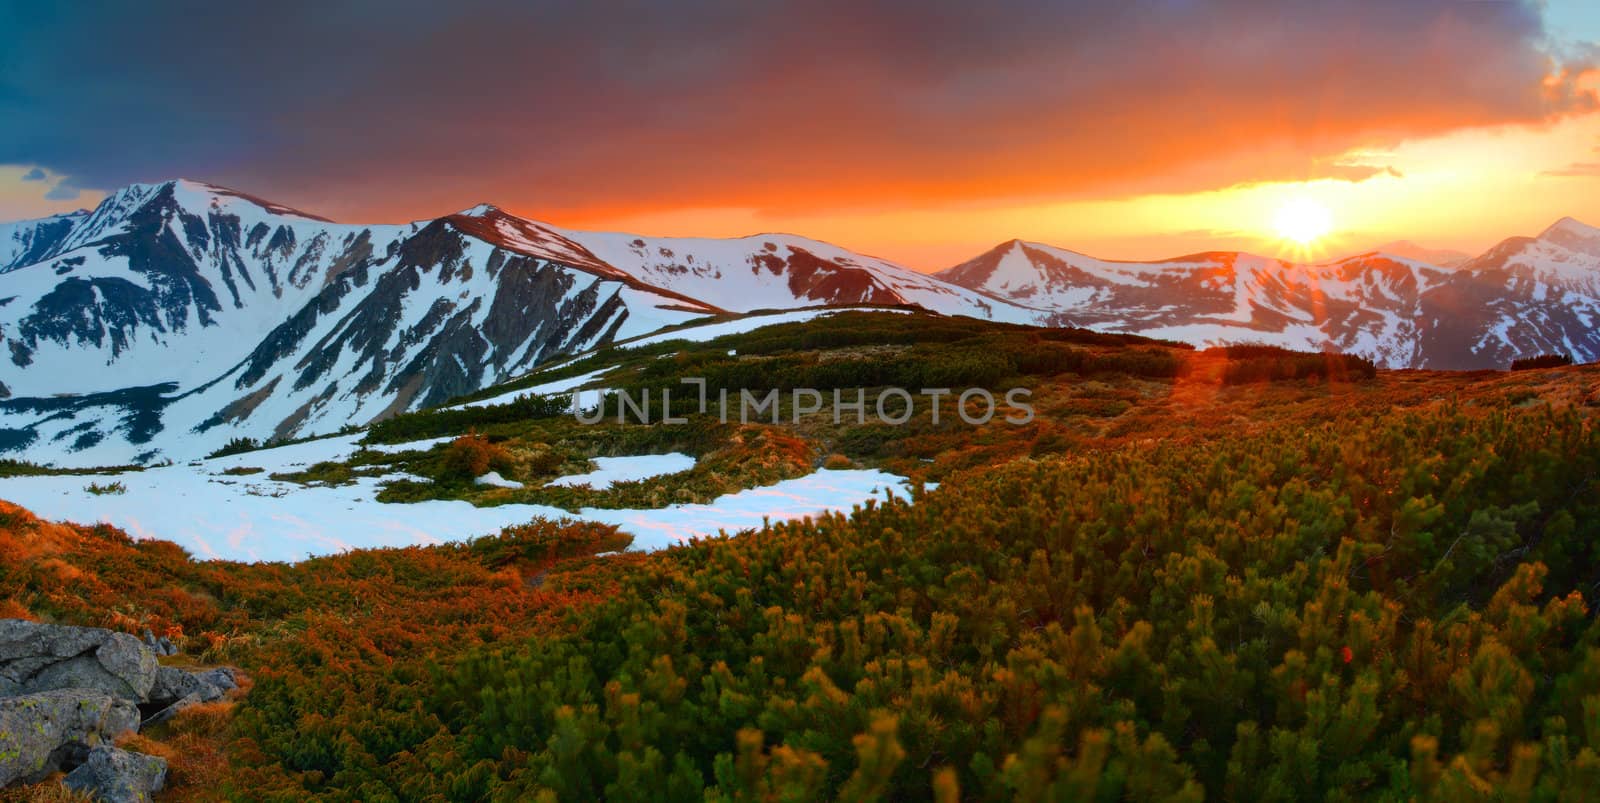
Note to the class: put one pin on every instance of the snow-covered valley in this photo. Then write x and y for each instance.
(214, 511)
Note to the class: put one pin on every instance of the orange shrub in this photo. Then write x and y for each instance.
(473, 455)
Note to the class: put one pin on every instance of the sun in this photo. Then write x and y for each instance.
(1302, 220)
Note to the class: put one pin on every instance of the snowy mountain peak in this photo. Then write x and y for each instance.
(1569, 227)
(1573, 235)
(480, 210)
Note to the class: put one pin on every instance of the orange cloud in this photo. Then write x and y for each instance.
(590, 112)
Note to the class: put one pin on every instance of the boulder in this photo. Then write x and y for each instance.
(222, 677)
(111, 775)
(38, 657)
(176, 689)
(175, 684)
(41, 733)
(160, 646)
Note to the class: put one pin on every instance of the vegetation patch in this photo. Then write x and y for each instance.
(1541, 361)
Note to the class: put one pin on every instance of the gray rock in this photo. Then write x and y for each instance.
(174, 684)
(160, 646)
(222, 677)
(177, 689)
(112, 775)
(41, 733)
(172, 710)
(38, 657)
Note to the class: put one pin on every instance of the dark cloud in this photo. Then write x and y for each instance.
(402, 109)
(35, 174)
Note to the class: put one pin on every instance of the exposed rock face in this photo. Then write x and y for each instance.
(44, 732)
(111, 775)
(38, 657)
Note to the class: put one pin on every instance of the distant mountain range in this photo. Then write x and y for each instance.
(1525, 296)
(176, 316)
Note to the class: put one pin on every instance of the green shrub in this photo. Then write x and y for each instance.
(1541, 361)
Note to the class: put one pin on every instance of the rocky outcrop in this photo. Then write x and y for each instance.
(112, 775)
(37, 657)
(175, 684)
(176, 689)
(67, 692)
(52, 730)
(160, 646)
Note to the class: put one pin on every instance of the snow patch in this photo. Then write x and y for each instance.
(609, 470)
(494, 480)
(255, 518)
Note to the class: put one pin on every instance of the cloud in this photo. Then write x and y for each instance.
(35, 174)
(621, 107)
(1575, 170)
(67, 189)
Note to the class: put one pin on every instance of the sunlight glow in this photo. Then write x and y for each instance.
(1302, 220)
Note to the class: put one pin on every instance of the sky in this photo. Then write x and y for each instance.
(922, 132)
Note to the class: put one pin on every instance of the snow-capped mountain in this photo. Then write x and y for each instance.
(28, 241)
(177, 316)
(1525, 296)
(163, 282)
(780, 271)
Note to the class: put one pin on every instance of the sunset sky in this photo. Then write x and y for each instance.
(922, 132)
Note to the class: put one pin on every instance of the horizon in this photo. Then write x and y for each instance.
(1293, 254)
(946, 147)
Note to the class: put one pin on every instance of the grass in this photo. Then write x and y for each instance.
(109, 489)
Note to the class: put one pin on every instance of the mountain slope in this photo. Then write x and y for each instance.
(1525, 296)
(28, 241)
(165, 282)
(778, 271)
(178, 316)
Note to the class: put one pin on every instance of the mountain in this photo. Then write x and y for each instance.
(175, 317)
(1527, 295)
(165, 281)
(1524, 296)
(777, 271)
(1443, 257)
(768, 271)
